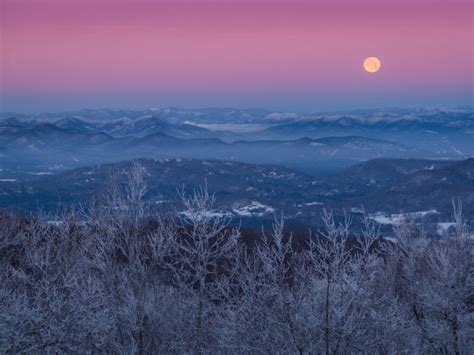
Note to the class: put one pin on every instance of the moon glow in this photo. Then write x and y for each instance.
(372, 64)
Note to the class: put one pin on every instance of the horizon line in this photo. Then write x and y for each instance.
(466, 107)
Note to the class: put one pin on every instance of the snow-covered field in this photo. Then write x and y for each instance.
(397, 219)
(40, 173)
(253, 209)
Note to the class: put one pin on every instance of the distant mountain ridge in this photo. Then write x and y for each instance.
(70, 141)
(444, 129)
(312, 143)
(234, 115)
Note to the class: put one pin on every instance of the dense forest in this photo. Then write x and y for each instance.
(113, 278)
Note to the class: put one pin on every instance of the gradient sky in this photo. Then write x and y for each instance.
(281, 54)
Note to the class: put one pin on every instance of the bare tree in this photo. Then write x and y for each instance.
(201, 253)
(113, 280)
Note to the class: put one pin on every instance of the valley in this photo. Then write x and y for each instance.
(378, 162)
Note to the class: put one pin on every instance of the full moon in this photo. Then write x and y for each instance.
(372, 64)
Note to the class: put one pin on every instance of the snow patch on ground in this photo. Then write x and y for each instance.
(203, 215)
(442, 229)
(274, 175)
(40, 173)
(397, 219)
(254, 208)
(314, 203)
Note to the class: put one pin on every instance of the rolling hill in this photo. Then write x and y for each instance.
(258, 191)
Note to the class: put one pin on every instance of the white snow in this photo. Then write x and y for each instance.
(55, 223)
(443, 228)
(382, 219)
(333, 153)
(200, 215)
(457, 151)
(254, 208)
(7, 180)
(40, 173)
(314, 203)
(274, 175)
(396, 219)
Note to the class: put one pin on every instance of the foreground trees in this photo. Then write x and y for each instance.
(115, 281)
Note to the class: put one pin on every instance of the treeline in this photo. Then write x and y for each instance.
(115, 280)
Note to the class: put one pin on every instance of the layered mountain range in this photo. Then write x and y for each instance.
(256, 161)
(310, 143)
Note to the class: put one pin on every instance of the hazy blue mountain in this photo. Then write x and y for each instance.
(442, 133)
(76, 124)
(426, 189)
(313, 143)
(48, 136)
(382, 172)
(151, 124)
(79, 143)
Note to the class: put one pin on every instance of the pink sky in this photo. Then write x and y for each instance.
(59, 54)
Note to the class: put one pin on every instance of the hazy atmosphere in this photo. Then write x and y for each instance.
(281, 55)
(266, 176)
